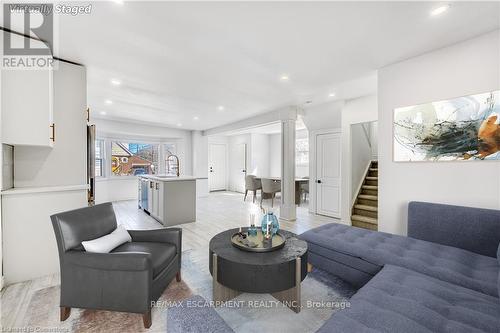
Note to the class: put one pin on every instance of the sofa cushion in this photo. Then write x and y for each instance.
(162, 254)
(371, 250)
(401, 300)
(498, 280)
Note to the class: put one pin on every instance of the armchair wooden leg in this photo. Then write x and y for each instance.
(146, 319)
(65, 312)
(178, 276)
(245, 198)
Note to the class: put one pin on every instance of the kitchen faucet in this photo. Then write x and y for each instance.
(177, 163)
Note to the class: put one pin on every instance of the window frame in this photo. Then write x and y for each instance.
(306, 139)
(102, 150)
(131, 141)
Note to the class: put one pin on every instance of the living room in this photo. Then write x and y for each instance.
(242, 167)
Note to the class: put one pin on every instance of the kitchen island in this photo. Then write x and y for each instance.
(170, 200)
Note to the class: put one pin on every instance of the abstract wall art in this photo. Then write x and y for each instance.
(460, 129)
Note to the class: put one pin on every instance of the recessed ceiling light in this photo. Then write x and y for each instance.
(196, 117)
(220, 108)
(284, 77)
(103, 113)
(179, 125)
(331, 94)
(108, 102)
(115, 82)
(439, 10)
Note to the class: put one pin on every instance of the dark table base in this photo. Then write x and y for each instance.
(290, 297)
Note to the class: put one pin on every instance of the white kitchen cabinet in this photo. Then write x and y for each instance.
(171, 200)
(27, 107)
(157, 196)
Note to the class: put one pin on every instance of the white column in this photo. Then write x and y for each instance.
(287, 208)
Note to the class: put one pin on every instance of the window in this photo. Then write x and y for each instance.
(99, 158)
(131, 159)
(302, 151)
(170, 163)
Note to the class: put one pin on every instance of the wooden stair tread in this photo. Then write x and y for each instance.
(371, 178)
(373, 169)
(369, 187)
(366, 207)
(367, 197)
(364, 219)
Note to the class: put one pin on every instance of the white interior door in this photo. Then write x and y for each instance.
(217, 167)
(239, 167)
(328, 154)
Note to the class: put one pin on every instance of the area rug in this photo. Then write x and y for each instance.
(322, 295)
(44, 314)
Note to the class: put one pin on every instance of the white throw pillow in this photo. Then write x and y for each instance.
(107, 243)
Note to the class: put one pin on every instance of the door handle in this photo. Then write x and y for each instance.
(243, 170)
(318, 181)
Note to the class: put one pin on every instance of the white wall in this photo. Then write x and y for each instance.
(323, 116)
(125, 188)
(470, 67)
(275, 155)
(259, 162)
(374, 139)
(361, 155)
(359, 110)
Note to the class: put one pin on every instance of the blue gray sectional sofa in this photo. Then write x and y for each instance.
(443, 277)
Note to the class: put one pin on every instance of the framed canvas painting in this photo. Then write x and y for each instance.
(460, 129)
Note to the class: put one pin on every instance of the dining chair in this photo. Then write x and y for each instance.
(252, 184)
(304, 189)
(269, 189)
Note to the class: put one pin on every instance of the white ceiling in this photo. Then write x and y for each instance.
(272, 128)
(177, 61)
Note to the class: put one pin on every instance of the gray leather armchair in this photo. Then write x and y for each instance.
(127, 279)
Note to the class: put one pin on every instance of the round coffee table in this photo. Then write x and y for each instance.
(279, 272)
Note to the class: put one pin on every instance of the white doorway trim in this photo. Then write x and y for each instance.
(225, 163)
(313, 135)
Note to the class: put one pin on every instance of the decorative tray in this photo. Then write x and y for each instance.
(257, 243)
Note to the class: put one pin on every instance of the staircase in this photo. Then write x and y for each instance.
(365, 209)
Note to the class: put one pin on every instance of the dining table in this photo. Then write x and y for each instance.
(298, 182)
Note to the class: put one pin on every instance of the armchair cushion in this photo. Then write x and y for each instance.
(170, 235)
(127, 262)
(108, 242)
(161, 254)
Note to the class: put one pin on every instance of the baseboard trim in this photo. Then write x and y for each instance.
(1, 282)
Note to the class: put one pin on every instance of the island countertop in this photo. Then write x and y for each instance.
(168, 178)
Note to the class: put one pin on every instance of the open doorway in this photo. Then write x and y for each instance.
(364, 175)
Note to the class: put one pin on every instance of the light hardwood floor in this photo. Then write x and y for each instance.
(217, 212)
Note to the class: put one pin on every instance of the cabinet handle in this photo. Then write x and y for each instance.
(150, 184)
(53, 137)
(156, 185)
(88, 115)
